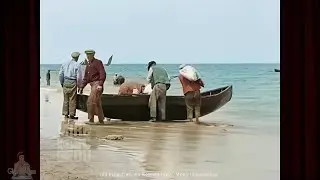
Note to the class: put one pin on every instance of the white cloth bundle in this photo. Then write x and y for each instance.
(135, 91)
(147, 89)
(189, 73)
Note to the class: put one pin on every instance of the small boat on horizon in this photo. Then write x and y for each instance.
(276, 70)
(135, 107)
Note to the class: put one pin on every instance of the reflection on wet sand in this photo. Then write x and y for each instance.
(154, 147)
(73, 150)
(154, 152)
(189, 145)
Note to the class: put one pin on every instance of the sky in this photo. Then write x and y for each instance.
(167, 31)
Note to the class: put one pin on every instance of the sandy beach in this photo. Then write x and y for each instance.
(154, 150)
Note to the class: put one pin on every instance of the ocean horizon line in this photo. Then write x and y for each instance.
(185, 63)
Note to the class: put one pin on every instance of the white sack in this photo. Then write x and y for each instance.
(189, 73)
(147, 89)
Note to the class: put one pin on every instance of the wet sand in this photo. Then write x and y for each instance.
(154, 150)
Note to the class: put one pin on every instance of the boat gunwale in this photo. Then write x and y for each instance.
(225, 88)
(220, 97)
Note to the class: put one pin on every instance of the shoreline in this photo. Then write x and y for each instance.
(222, 116)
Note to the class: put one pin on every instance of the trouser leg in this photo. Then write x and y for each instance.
(99, 108)
(153, 104)
(65, 107)
(197, 108)
(73, 101)
(161, 103)
(189, 105)
(90, 106)
(94, 103)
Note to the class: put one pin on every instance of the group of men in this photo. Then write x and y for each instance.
(95, 75)
(160, 83)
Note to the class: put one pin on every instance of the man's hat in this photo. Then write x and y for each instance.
(151, 63)
(89, 51)
(75, 54)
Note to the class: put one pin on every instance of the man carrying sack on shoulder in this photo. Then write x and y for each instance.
(95, 75)
(191, 91)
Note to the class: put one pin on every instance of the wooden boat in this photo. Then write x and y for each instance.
(276, 70)
(135, 108)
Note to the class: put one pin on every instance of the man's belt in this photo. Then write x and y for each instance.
(71, 79)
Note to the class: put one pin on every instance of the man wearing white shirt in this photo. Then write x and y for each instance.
(68, 80)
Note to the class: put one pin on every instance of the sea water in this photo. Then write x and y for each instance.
(256, 89)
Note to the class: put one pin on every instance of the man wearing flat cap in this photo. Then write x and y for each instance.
(68, 80)
(160, 83)
(95, 75)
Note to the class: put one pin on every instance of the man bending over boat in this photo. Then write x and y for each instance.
(130, 88)
(118, 79)
(191, 91)
(160, 83)
(68, 80)
(95, 75)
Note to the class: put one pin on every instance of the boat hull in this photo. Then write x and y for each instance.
(135, 108)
